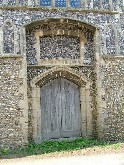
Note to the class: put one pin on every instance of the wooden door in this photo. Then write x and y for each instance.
(60, 109)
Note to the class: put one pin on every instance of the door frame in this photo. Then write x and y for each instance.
(60, 89)
(85, 98)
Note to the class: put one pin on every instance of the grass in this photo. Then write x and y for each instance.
(56, 146)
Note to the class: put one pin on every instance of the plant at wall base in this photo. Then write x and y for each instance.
(4, 151)
(65, 147)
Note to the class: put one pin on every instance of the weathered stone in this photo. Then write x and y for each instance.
(83, 43)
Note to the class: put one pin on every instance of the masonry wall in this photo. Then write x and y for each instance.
(111, 98)
(13, 102)
(108, 64)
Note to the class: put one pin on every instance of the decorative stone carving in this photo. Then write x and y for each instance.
(96, 4)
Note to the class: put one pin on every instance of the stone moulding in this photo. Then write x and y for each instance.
(84, 5)
(60, 27)
(72, 75)
(60, 60)
(56, 72)
(62, 20)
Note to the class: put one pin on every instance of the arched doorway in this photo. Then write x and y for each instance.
(61, 48)
(61, 104)
(60, 109)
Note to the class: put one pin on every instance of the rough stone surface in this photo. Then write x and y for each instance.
(88, 42)
(59, 46)
(102, 21)
(10, 113)
(112, 74)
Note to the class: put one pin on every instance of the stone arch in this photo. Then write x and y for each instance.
(90, 25)
(65, 69)
(66, 19)
(54, 32)
(55, 72)
(71, 75)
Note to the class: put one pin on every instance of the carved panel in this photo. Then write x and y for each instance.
(31, 51)
(23, 2)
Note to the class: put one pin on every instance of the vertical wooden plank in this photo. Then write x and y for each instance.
(63, 103)
(57, 98)
(49, 107)
(77, 109)
(70, 109)
(55, 105)
(60, 106)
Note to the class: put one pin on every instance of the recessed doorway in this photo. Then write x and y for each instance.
(60, 109)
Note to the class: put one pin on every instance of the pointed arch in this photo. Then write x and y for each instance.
(55, 72)
(68, 74)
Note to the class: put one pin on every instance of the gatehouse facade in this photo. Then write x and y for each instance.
(61, 70)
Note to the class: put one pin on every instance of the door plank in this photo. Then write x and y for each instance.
(60, 106)
(71, 112)
(50, 123)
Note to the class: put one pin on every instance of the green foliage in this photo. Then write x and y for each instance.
(4, 151)
(55, 146)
